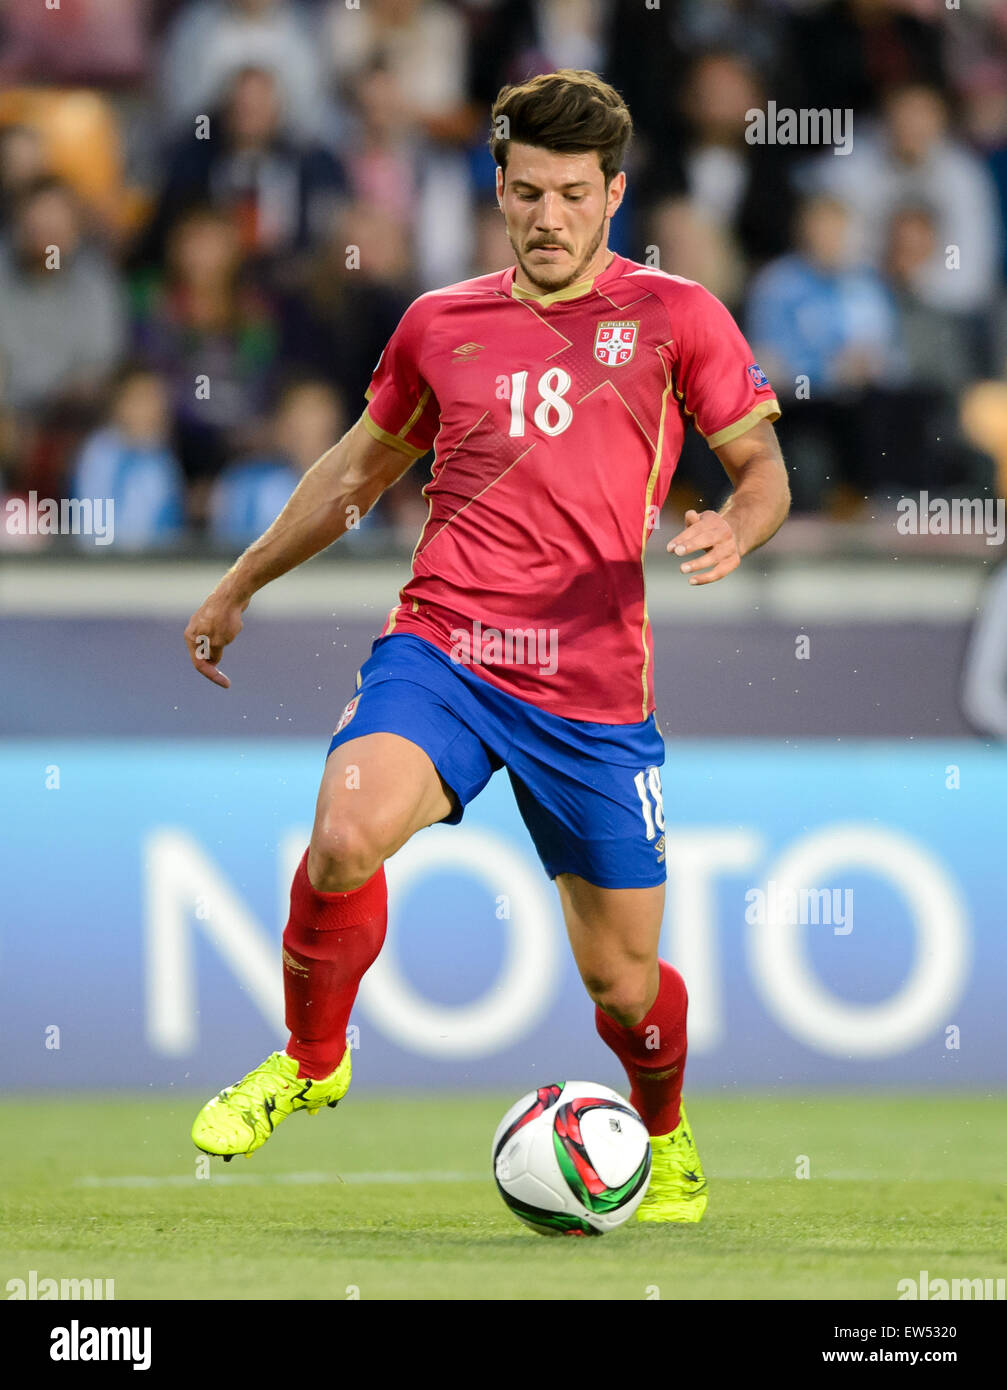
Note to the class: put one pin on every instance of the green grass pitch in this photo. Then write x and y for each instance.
(391, 1198)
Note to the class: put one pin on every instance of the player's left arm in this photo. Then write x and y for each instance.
(755, 510)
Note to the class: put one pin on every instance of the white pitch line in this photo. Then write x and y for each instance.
(278, 1179)
(405, 1179)
(395, 1178)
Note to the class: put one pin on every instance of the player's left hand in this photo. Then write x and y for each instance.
(712, 534)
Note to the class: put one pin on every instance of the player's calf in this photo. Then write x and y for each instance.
(374, 794)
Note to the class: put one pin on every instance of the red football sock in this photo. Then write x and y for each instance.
(329, 942)
(653, 1052)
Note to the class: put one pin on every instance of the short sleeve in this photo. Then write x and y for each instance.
(402, 410)
(717, 379)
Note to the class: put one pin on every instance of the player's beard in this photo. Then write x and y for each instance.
(575, 275)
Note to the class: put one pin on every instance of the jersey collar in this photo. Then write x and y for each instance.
(582, 287)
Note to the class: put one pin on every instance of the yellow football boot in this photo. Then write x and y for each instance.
(677, 1190)
(241, 1118)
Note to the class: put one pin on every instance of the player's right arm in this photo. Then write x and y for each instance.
(343, 485)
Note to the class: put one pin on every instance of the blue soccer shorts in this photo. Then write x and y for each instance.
(590, 794)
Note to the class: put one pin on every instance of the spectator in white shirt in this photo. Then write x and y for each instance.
(213, 40)
(912, 160)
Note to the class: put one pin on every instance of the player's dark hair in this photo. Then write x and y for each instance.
(570, 111)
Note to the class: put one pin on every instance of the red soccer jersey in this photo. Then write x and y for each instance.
(558, 420)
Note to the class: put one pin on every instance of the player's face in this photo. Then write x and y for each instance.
(556, 208)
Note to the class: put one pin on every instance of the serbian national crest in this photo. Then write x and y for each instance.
(347, 715)
(615, 341)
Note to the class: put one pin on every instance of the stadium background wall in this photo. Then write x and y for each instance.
(152, 824)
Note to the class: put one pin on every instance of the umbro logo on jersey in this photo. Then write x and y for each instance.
(615, 341)
(467, 350)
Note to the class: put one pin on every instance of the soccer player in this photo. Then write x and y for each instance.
(555, 394)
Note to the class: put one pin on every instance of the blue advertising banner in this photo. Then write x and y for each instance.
(837, 911)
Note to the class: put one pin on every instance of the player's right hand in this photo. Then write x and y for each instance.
(215, 623)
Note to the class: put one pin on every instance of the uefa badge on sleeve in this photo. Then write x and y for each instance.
(758, 376)
(615, 341)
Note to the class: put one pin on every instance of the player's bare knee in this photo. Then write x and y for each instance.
(343, 855)
(624, 1000)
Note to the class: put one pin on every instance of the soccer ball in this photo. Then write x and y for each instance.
(572, 1159)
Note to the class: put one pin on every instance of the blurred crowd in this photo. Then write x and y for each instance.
(213, 213)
